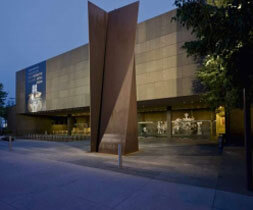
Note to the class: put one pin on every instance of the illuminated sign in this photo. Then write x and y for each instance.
(36, 87)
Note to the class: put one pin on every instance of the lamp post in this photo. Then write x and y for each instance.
(247, 139)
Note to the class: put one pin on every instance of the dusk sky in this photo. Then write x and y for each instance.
(35, 30)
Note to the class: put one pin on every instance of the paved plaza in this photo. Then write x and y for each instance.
(175, 174)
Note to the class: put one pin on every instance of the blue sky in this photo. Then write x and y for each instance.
(35, 30)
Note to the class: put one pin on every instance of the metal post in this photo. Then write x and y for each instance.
(119, 156)
(169, 124)
(227, 125)
(247, 139)
(69, 125)
(10, 144)
(220, 141)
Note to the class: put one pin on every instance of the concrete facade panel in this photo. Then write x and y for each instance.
(159, 59)
(165, 88)
(160, 53)
(183, 35)
(68, 79)
(149, 66)
(188, 70)
(169, 74)
(160, 26)
(141, 33)
(187, 85)
(159, 42)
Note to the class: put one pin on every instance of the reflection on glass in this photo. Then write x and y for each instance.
(152, 128)
(188, 126)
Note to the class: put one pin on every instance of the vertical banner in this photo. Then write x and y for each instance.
(36, 88)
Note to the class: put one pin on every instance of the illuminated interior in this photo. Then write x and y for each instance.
(220, 121)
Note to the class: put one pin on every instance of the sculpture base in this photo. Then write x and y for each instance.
(110, 144)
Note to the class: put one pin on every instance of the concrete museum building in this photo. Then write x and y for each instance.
(53, 96)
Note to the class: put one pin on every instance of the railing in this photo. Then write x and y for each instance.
(60, 138)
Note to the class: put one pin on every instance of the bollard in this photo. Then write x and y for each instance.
(10, 144)
(220, 142)
(119, 156)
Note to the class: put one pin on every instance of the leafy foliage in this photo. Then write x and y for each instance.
(224, 45)
(3, 96)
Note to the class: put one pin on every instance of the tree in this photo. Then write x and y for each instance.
(218, 3)
(3, 96)
(224, 46)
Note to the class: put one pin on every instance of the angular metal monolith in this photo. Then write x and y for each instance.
(112, 79)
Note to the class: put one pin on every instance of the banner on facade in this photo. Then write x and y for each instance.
(36, 87)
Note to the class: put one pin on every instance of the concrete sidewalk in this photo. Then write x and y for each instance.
(28, 181)
(182, 161)
(34, 183)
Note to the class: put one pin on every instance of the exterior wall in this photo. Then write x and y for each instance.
(19, 124)
(198, 114)
(11, 119)
(162, 67)
(152, 116)
(68, 80)
(20, 92)
(32, 125)
(237, 124)
(162, 71)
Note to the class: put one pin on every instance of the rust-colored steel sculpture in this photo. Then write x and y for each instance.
(112, 79)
